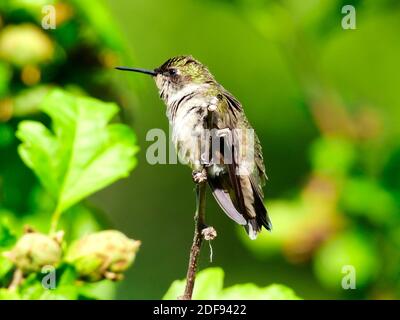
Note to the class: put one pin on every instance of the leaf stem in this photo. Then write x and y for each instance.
(55, 218)
(16, 280)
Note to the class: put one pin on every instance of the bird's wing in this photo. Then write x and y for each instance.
(239, 195)
(236, 107)
(226, 188)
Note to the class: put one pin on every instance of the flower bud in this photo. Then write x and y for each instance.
(105, 254)
(35, 250)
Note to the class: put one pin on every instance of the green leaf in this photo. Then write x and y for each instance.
(250, 291)
(6, 294)
(79, 221)
(7, 240)
(31, 288)
(209, 285)
(5, 268)
(104, 290)
(83, 153)
(69, 292)
(66, 288)
(67, 275)
(7, 237)
(27, 101)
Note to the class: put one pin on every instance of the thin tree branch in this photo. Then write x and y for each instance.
(199, 219)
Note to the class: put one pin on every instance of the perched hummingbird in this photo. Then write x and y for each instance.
(196, 102)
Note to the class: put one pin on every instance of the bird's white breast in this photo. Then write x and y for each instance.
(188, 124)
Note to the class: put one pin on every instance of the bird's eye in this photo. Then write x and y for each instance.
(172, 72)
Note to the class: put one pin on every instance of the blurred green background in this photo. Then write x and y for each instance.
(323, 100)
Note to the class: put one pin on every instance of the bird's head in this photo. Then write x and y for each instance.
(177, 73)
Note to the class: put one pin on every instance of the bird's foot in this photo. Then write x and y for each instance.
(199, 176)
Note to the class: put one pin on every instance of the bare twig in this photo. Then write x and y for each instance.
(199, 219)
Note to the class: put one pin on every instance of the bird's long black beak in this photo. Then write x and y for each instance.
(150, 72)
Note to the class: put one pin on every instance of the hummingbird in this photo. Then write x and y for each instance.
(197, 104)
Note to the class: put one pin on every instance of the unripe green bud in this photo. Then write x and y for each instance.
(35, 250)
(104, 254)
